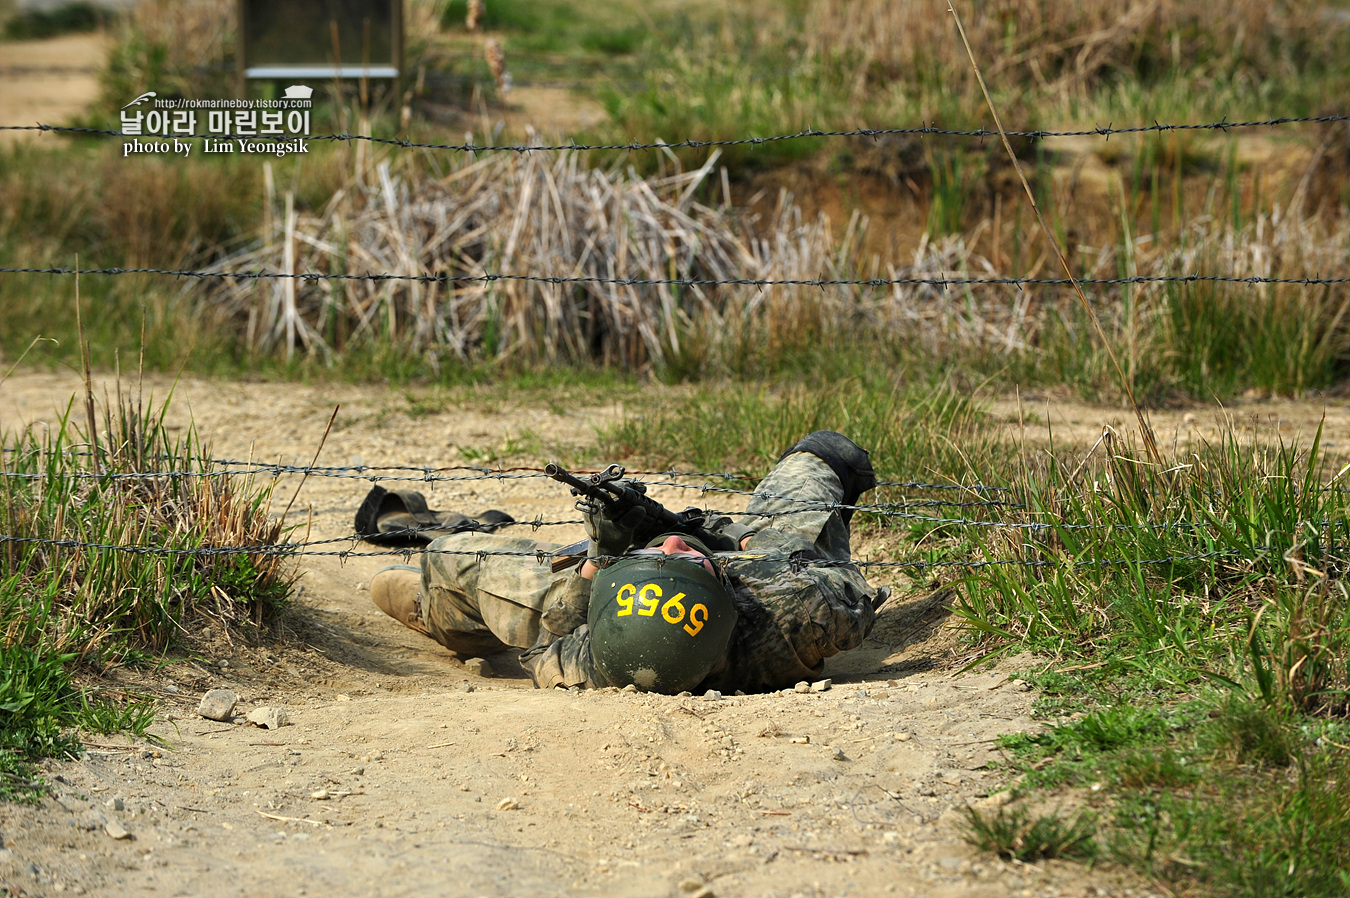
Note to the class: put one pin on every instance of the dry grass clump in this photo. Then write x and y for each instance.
(71, 501)
(1203, 338)
(173, 47)
(547, 216)
(1067, 44)
(535, 214)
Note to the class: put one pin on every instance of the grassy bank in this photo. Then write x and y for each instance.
(70, 609)
(1199, 620)
(1193, 620)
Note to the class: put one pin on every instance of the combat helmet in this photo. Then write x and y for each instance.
(659, 622)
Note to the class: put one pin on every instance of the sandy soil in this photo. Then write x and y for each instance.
(442, 782)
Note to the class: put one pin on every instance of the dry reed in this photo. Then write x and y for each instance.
(548, 216)
(537, 214)
(1067, 44)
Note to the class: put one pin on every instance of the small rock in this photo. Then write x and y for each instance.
(704, 892)
(712, 695)
(468, 687)
(479, 667)
(116, 804)
(690, 885)
(802, 687)
(508, 804)
(629, 688)
(171, 689)
(358, 771)
(821, 685)
(115, 829)
(218, 704)
(837, 754)
(222, 663)
(269, 718)
(900, 737)
(92, 819)
(321, 795)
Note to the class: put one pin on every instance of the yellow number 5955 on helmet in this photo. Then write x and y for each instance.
(659, 622)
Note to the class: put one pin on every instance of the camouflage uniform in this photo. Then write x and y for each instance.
(793, 614)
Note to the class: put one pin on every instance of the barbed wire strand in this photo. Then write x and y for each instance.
(432, 474)
(943, 282)
(925, 130)
(186, 475)
(898, 510)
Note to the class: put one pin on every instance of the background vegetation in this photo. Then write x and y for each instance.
(70, 610)
(1193, 607)
(1265, 202)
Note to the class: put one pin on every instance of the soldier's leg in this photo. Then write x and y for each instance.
(800, 494)
(474, 593)
(486, 593)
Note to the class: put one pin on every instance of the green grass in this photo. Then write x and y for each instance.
(699, 70)
(557, 26)
(1018, 835)
(69, 609)
(1209, 695)
(1198, 710)
(914, 428)
(1215, 796)
(67, 19)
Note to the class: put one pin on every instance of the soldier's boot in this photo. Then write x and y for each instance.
(397, 591)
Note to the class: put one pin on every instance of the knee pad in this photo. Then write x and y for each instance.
(846, 459)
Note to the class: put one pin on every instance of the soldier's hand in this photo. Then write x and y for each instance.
(611, 529)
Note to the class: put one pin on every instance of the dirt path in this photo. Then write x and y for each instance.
(440, 782)
(49, 81)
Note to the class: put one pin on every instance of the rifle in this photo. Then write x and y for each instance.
(607, 490)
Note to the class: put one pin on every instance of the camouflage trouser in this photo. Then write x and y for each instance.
(479, 604)
(795, 499)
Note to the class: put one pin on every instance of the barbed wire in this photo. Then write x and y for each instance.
(924, 130)
(545, 556)
(943, 282)
(899, 510)
(432, 474)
